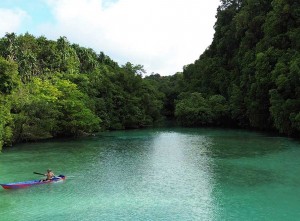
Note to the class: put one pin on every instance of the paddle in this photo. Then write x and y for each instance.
(39, 173)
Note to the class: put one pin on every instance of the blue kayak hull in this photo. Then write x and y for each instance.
(29, 183)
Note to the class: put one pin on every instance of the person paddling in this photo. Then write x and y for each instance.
(49, 175)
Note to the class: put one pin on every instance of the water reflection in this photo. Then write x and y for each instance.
(181, 172)
(244, 146)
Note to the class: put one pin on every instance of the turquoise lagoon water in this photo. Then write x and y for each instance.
(156, 174)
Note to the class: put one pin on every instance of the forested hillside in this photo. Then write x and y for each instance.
(54, 88)
(250, 75)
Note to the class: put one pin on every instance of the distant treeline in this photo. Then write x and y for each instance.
(248, 77)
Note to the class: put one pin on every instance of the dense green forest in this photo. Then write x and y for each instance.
(248, 77)
(54, 88)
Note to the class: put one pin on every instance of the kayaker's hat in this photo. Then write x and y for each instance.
(48, 170)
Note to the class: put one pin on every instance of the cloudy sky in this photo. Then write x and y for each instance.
(161, 35)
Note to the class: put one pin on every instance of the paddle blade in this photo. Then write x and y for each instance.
(39, 173)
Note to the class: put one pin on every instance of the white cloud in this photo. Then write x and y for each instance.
(11, 20)
(162, 35)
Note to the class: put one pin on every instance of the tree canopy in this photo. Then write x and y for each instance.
(55, 88)
(253, 63)
(248, 77)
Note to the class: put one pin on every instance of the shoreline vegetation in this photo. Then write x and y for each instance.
(249, 77)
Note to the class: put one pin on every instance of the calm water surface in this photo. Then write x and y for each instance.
(156, 174)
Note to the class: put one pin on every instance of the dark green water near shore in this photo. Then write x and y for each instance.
(156, 174)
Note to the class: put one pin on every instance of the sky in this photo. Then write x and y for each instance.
(161, 35)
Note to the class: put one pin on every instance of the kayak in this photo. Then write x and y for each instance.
(29, 183)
